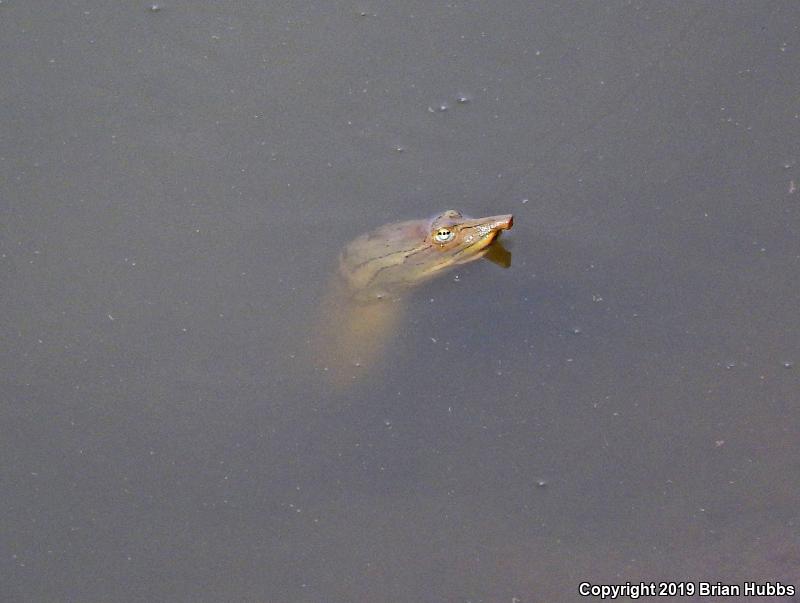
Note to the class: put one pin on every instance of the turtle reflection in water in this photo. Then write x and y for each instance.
(362, 307)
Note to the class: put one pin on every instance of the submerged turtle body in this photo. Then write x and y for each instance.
(361, 309)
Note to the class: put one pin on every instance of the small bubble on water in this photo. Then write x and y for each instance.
(154, 8)
(576, 330)
(788, 364)
(440, 108)
(398, 148)
(525, 200)
(540, 483)
(463, 99)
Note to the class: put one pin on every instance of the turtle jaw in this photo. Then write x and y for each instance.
(476, 235)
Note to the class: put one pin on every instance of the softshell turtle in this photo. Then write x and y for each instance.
(362, 308)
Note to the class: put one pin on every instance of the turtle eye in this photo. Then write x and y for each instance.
(443, 235)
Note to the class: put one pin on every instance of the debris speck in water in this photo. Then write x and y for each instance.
(440, 108)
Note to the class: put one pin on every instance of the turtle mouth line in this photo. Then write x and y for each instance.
(483, 243)
(487, 231)
(492, 225)
(478, 247)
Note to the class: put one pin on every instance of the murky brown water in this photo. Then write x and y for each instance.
(619, 405)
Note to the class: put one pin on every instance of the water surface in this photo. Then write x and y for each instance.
(621, 404)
